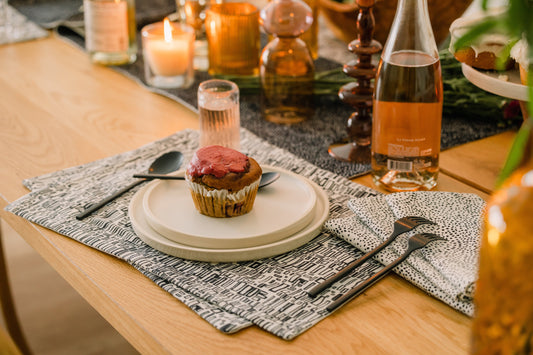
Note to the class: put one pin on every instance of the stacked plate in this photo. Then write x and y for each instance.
(286, 215)
(506, 84)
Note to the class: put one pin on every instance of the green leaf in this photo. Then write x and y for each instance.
(503, 58)
(488, 25)
(517, 22)
(516, 153)
(530, 90)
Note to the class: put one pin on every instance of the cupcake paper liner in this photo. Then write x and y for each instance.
(223, 203)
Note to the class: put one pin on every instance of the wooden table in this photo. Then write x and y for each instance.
(57, 110)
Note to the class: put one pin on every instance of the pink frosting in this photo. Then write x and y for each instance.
(218, 161)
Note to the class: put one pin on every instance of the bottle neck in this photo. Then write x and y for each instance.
(411, 29)
(293, 44)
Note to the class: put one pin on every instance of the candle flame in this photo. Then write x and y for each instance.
(167, 29)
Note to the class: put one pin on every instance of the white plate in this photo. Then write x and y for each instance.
(489, 81)
(280, 210)
(157, 241)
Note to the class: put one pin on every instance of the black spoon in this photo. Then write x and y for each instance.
(165, 164)
(266, 178)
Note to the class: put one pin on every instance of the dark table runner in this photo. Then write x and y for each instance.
(308, 140)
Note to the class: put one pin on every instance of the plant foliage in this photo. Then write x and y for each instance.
(517, 22)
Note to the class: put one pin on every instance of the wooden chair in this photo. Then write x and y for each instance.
(14, 342)
(7, 345)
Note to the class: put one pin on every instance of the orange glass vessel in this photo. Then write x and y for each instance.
(503, 323)
(286, 66)
(232, 31)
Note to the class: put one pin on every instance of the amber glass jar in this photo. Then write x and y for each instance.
(503, 323)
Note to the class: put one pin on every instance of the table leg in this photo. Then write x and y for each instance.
(8, 306)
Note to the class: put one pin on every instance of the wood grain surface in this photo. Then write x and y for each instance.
(58, 110)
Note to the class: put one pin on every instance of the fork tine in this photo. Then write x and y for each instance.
(415, 220)
(425, 238)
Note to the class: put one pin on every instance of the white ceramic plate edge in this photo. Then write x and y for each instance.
(156, 241)
(509, 89)
(301, 222)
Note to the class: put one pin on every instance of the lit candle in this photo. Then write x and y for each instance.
(168, 50)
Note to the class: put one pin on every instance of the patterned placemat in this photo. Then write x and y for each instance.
(270, 292)
(52, 13)
(17, 28)
(446, 269)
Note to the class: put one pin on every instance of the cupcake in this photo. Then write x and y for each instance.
(223, 182)
(519, 54)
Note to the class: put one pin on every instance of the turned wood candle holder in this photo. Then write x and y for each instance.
(356, 147)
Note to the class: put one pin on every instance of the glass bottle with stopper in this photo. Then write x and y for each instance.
(407, 109)
(286, 67)
(110, 31)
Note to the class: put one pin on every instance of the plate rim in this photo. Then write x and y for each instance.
(232, 243)
(516, 91)
(238, 254)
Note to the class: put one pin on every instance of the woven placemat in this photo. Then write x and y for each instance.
(17, 27)
(269, 292)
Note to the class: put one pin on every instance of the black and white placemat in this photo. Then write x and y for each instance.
(446, 269)
(17, 27)
(270, 293)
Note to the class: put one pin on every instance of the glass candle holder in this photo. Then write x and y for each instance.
(232, 31)
(168, 51)
(192, 13)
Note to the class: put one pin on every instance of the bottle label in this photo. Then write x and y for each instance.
(106, 26)
(399, 165)
(406, 129)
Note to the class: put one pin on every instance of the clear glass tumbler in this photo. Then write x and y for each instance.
(218, 103)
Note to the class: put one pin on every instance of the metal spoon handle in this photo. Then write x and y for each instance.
(158, 176)
(105, 201)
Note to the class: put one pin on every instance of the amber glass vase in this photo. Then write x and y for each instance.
(286, 66)
(503, 323)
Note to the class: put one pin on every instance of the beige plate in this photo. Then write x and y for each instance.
(154, 239)
(490, 81)
(280, 210)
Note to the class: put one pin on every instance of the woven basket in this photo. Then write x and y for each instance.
(341, 18)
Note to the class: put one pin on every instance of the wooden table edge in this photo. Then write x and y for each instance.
(88, 289)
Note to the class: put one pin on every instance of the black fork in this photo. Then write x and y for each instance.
(402, 225)
(417, 241)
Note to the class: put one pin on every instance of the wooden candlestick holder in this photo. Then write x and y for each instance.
(356, 147)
